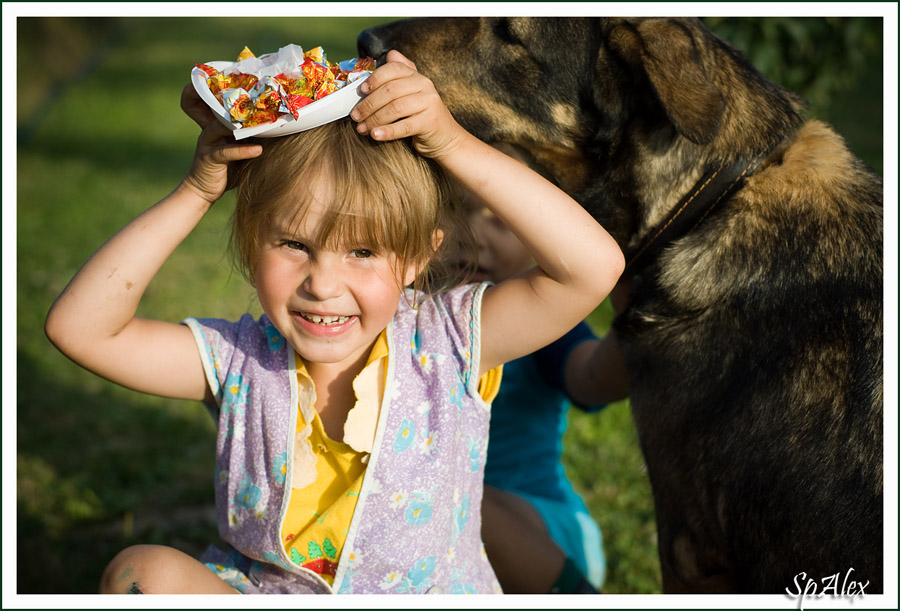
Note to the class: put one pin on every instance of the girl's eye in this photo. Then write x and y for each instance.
(363, 253)
(293, 245)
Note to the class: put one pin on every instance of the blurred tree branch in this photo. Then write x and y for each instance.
(816, 57)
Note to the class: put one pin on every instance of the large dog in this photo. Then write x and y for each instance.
(753, 333)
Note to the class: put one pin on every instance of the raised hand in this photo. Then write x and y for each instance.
(216, 147)
(194, 107)
(400, 103)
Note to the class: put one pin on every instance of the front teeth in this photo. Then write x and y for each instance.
(325, 320)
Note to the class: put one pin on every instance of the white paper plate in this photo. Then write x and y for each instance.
(334, 106)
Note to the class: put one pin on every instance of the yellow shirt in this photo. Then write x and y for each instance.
(328, 474)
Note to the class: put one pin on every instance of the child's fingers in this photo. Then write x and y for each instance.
(396, 56)
(237, 152)
(218, 144)
(216, 147)
(222, 150)
(397, 129)
(387, 72)
(401, 103)
(209, 173)
(194, 107)
(381, 98)
(394, 99)
(213, 132)
(394, 110)
(391, 80)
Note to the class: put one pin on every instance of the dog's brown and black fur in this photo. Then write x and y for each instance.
(754, 340)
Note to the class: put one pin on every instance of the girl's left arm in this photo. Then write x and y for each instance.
(578, 262)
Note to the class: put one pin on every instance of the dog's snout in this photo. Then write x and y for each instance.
(370, 44)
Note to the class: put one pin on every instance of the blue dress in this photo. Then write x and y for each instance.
(528, 419)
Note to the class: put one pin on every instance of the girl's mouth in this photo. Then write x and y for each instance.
(324, 320)
(324, 325)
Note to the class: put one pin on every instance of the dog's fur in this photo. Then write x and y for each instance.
(754, 342)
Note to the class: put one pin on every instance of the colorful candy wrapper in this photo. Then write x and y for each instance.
(207, 69)
(357, 67)
(238, 104)
(326, 88)
(295, 102)
(317, 55)
(315, 71)
(268, 94)
(245, 54)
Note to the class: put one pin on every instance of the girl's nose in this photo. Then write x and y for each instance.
(481, 233)
(323, 279)
(478, 225)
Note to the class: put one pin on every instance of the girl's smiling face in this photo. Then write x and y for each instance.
(330, 303)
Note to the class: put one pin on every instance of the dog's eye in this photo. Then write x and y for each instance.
(502, 29)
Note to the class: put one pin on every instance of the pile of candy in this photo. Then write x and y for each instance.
(253, 97)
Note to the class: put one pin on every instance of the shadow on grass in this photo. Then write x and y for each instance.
(97, 472)
(119, 152)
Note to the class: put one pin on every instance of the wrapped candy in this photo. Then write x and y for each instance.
(217, 83)
(207, 69)
(315, 71)
(267, 94)
(317, 55)
(261, 116)
(259, 90)
(325, 87)
(245, 54)
(363, 65)
(244, 81)
(295, 102)
(238, 104)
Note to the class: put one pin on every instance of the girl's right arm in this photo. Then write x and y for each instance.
(93, 321)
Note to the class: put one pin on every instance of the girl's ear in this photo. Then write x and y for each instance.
(410, 274)
(415, 269)
(437, 239)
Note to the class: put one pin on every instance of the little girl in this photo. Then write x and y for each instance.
(353, 415)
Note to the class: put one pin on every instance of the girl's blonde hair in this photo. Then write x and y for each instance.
(383, 196)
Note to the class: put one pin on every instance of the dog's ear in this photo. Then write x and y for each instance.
(664, 50)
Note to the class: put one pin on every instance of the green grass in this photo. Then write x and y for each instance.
(101, 138)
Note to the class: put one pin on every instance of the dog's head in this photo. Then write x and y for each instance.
(622, 112)
(507, 80)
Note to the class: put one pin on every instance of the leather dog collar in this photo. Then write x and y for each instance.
(717, 185)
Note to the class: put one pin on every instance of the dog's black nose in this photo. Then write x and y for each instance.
(370, 44)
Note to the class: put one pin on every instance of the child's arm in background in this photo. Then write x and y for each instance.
(578, 261)
(595, 372)
(93, 320)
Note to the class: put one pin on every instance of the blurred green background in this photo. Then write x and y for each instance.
(101, 137)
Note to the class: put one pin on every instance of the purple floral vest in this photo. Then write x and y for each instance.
(417, 523)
